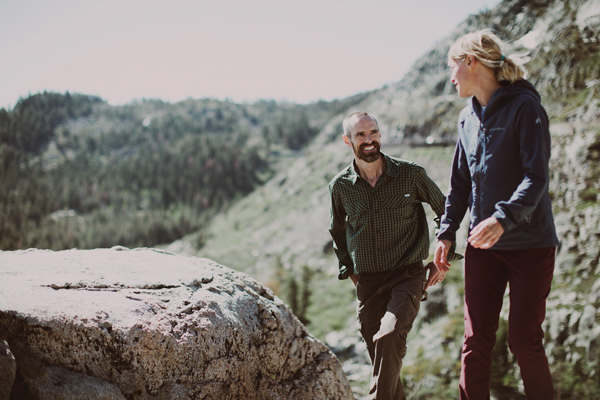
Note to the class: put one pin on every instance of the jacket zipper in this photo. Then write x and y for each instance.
(480, 168)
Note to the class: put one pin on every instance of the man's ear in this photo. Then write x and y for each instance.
(346, 139)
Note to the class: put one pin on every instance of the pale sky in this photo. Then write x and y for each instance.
(244, 50)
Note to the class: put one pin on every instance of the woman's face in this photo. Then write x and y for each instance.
(461, 76)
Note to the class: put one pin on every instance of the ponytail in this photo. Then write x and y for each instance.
(486, 47)
(512, 68)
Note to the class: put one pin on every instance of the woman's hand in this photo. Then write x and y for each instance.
(486, 233)
(440, 256)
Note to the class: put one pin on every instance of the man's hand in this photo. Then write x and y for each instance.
(486, 233)
(354, 278)
(435, 275)
(440, 256)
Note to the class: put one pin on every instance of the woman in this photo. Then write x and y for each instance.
(500, 172)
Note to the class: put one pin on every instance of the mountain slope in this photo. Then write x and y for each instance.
(281, 229)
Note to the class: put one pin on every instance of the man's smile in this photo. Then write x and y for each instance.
(369, 147)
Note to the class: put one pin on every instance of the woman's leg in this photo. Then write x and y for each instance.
(530, 279)
(485, 284)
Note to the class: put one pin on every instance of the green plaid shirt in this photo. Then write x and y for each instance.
(382, 228)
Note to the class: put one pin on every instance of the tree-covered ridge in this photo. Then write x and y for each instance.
(77, 172)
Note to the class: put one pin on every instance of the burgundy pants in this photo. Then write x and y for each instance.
(529, 276)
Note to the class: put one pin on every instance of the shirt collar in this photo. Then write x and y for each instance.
(354, 174)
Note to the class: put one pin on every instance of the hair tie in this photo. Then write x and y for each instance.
(502, 58)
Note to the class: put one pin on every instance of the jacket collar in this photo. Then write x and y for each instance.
(507, 90)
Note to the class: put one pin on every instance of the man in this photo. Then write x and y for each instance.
(381, 238)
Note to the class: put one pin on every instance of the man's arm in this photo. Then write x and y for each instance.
(428, 192)
(337, 229)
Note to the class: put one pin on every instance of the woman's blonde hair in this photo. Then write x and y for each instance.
(487, 48)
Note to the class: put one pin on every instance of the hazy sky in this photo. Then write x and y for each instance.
(296, 50)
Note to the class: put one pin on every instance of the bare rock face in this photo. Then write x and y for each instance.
(146, 324)
(8, 369)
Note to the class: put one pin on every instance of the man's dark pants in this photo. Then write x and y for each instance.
(388, 303)
(529, 273)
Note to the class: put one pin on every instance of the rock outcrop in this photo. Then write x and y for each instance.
(147, 324)
(8, 370)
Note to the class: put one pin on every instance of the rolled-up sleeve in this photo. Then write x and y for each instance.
(337, 229)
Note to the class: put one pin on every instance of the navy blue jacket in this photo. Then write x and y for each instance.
(500, 169)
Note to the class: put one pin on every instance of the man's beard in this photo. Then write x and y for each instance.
(370, 157)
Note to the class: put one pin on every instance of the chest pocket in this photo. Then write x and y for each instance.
(398, 206)
(356, 212)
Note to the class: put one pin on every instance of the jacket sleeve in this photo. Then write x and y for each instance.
(459, 191)
(531, 124)
(337, 229)
(429, 192)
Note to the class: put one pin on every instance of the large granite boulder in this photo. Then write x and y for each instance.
(8, 370)
(148, 324)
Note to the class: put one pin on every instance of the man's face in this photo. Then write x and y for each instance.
(365, 139)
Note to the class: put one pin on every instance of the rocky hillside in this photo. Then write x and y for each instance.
(280, 230)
